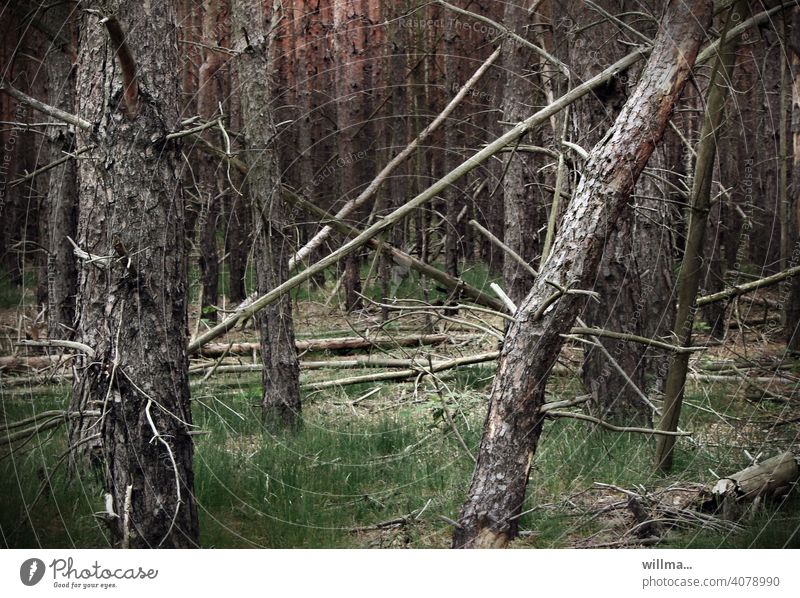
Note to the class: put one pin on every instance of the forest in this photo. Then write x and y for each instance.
(400, 274)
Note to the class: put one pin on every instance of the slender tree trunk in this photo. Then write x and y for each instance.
(351, 24)
(792, 329)
(281, 385)
(62, 213)
(132, 307)
(514, 423)
(522, 184)
(237, 232)
(692, 265)
(455, 196)
(208, 170)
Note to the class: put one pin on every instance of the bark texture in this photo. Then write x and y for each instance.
(633, 280)
(281, 386)
(522, 190)
(131, 301)
(62, 190)
(533, 342)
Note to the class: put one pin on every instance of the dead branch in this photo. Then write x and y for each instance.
(56, 113)
(51, 165)
(406, 374)
(127, 65)
(748, 287)
(376, 183)
(495, 241)
(59, 343)
(612, 427)
(450, 282)
(508, 33)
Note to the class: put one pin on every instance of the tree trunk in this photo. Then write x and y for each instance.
(692, 264)
(237, 232)
(455, 196)
(208, 189)
(522, 187)
(514, 423)
(792, 329)
(62, 213)
(281, 385)
(132, 307)
(619, 278)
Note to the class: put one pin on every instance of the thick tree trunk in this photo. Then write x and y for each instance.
(281, 386)
(132, 309)
(633, 281)
(532, 345)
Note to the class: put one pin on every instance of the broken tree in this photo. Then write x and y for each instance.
(514, 423)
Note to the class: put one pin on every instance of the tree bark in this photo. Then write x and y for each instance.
(514, 422)
(281, 385)
(62, 213)
(132, 307)
(522, 187)
(792, 317)
(208, 167)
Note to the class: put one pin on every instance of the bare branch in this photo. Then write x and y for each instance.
(612, 427)
(126, 63)
(52, 111)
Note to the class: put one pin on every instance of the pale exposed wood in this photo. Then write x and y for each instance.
(770, 478)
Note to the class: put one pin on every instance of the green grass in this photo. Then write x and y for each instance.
(13, 295)
(346, 469)
(341, 471)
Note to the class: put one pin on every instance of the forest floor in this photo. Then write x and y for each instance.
(391, 468)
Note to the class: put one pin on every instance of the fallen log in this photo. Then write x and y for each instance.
(17, 363)
(439, 366)
(769, 479)
(335, 364)
(347, 343)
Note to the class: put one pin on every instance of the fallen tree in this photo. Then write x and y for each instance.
(771, 478)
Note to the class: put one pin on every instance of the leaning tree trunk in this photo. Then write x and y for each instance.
(489, 517)
(692, 263)
(281, 374)
(131, 298)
